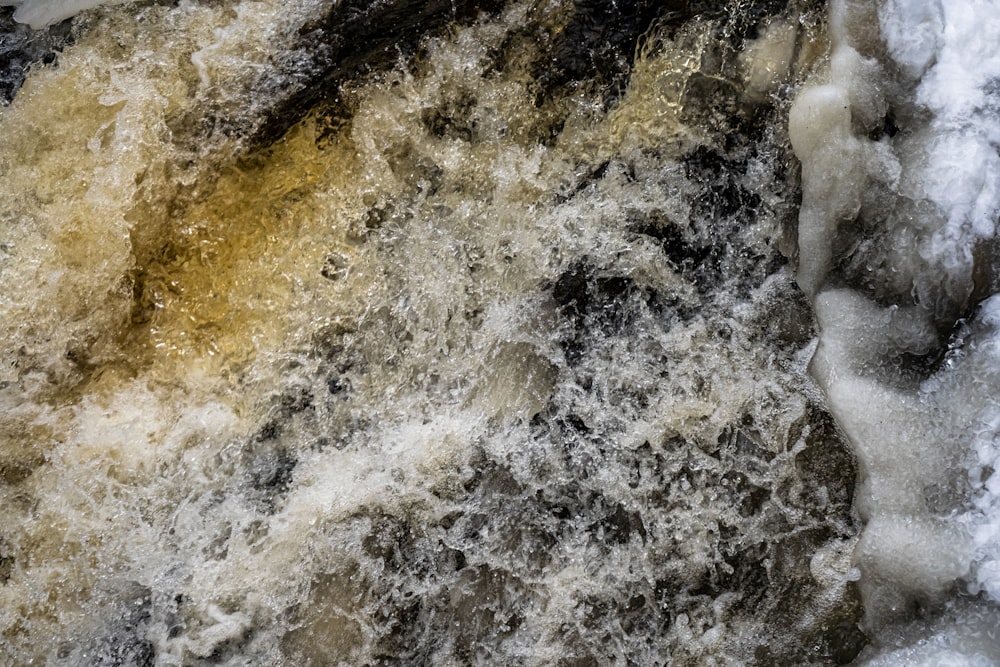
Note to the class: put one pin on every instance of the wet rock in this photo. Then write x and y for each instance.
(356, 38)
(270, 468)
(21, 47)
(127, 645)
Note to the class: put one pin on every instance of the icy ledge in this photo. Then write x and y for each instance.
(41, 13)
(898, 252)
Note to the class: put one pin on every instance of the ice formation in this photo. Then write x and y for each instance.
(897, 238)
(42, 13)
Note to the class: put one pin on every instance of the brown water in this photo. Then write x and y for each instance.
(459, 370)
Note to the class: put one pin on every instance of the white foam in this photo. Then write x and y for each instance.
(928, 448)
(955, 48)
(41, 13)
(913, 31)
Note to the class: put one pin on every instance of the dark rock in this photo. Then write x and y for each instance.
(128, 645)
(599, 42)
(356, 38)
(21, 47)
(270, 468)
(594, 300)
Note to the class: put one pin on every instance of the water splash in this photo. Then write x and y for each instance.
(462, 368)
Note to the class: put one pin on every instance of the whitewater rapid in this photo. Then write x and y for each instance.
(548, 334)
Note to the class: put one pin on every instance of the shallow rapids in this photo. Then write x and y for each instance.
(495, 344)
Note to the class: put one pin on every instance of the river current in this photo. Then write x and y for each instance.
(525, 333)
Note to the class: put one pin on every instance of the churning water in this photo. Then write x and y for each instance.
(526, 333)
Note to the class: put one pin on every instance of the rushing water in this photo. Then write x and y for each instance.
(494, 342)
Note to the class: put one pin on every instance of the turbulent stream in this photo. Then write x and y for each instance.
(540, 332)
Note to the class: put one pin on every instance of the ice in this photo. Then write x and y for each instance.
(41, 13)
(891, 280)
(913, 31)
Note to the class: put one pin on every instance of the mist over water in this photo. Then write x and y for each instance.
(547, 334)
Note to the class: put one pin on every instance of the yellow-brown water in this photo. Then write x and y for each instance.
(425, 381)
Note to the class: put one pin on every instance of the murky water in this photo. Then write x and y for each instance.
(497, 355)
